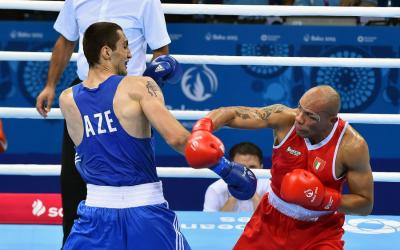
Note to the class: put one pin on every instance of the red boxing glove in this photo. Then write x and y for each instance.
(204, 124)
(304, 188)
(331, 200)
(203, 149)
(3, 139)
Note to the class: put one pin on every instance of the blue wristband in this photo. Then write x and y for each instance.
(220, 166)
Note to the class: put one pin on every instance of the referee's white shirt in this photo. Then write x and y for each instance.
(142, 21)
(217, 195)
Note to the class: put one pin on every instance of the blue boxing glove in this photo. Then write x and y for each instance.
(164, 69)
(242, 183)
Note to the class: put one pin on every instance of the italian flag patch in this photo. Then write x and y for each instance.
(318, 164)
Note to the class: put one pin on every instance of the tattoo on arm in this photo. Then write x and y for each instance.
(259, 114)
(152, 88)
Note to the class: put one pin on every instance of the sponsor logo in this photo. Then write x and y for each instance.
(318, 164)
(55, 212)
(24, 34)
(199, 84)
(194, 145)
(366, 39)
(311, 194)
(176, 36)
(224, 223)
(358, 225)
(159, 68)
(77, 159)
(269, 38)
(247, 172)
(244, 171)
(293, 151)
(318, 38)
(220, 37)
(329, 205)
(250, 174)
(39, 209)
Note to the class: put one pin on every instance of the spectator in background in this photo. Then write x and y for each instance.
(3, 139)
(207, 1)
(388, 3)
(253, 19)
(332, 2)
(235, 18)
(217, 196)
(242, 2)
(248, 2)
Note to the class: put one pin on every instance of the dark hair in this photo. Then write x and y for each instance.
(98, 35)
(246, 148)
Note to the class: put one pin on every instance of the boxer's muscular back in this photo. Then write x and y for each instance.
(127, 105)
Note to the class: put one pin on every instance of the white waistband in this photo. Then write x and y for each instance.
(292, 210)
(126, 196)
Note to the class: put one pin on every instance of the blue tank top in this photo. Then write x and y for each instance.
(108, 155)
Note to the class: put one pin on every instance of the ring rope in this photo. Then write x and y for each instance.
(167, 172)
(187, 9)
(242, 10)
(55, 113)
(238, 60)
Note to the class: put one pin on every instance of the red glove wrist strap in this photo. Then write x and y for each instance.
(204, 124)
(332, 200)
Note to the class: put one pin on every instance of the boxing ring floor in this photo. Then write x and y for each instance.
(214, 231)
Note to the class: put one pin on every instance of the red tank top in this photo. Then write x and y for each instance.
(297, 152)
